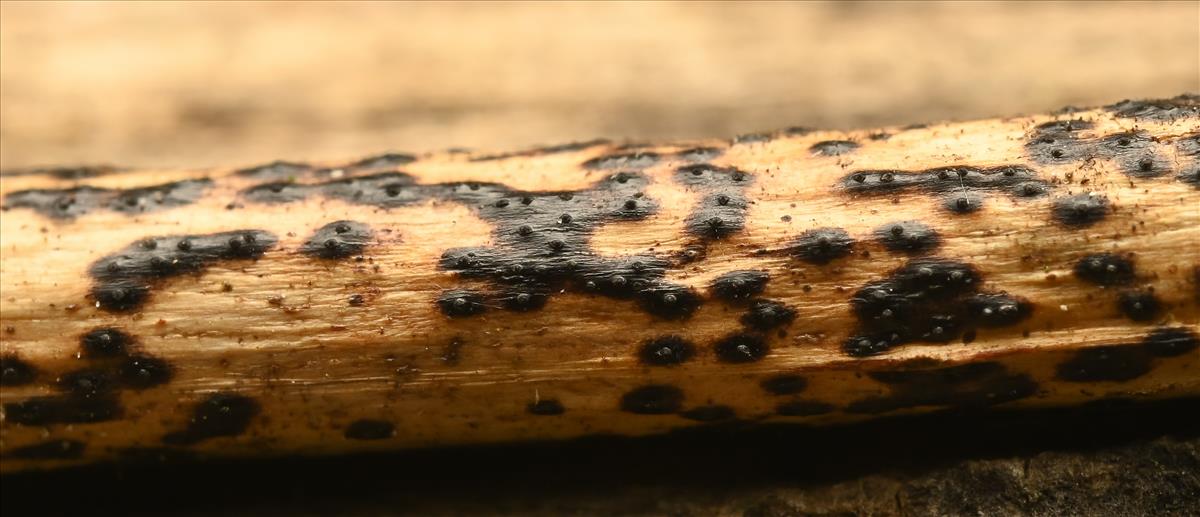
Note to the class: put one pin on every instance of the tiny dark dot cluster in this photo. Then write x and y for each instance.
(92, 392)
(123, 280)
(929, 300)
(76, 201)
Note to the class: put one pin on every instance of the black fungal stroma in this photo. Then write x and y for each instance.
(91, 393)
(338, 239)
(920, 383)
(74, 202)
(932, 300)
(123, 280)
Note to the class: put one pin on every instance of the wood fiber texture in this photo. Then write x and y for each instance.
(596, 289)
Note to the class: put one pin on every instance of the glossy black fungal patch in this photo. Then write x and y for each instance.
(653, 399)
(524, 299)
(721, 211)
(666, 351)
(962, 202)
(49, 450)
(544, 150)
(545, 407)
(461, 303)
(338, 239)
(803, 408)
(833, 147)
(931, 300)
(739, 285)
(368, 429)
(786, 384)
(912, 237)
(87, 383)
(634, 160)
(1160, 110)
(68, 409)
(1105, 269)
(1139, 305)
(764, 315)
(997, 310)
(711, 413)
(221, 414)
(123, 280)
(1115, 363)
(141, 372)
(73, 202)
(1080, 210)
(105, 342)
(821, 245)
(1123, 362)
(15, 371)
(669, 301)
(1190, 176)
(961, 386)
(1171, 341)
(741, 347)
(949, 183)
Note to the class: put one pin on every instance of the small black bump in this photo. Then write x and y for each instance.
(963, 203)
(105, 342)
(1080, 210)
(355, 300)
(564, 219)
(546, 407)
(141, 372)
(15, 371)
(667, 301)
(337, 240)
(524, 301)
(221, 414)
(741, 348)
(666, 351)
(765, 315)
(712, 413)
(786, 384)
(739, 285)
(461, 303)
(1030, 189)
(630, 204)
(653, 399)
(1105, 269)
(1139, 305)
(865, 346)
(525, 230)
(908, 237)
(368, 429)
(822, 245)
(87, 383)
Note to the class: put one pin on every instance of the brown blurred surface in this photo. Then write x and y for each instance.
(198, 84)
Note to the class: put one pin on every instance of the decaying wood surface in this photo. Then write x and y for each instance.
(587, 289)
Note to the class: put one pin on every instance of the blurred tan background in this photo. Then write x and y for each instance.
(198, 84)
